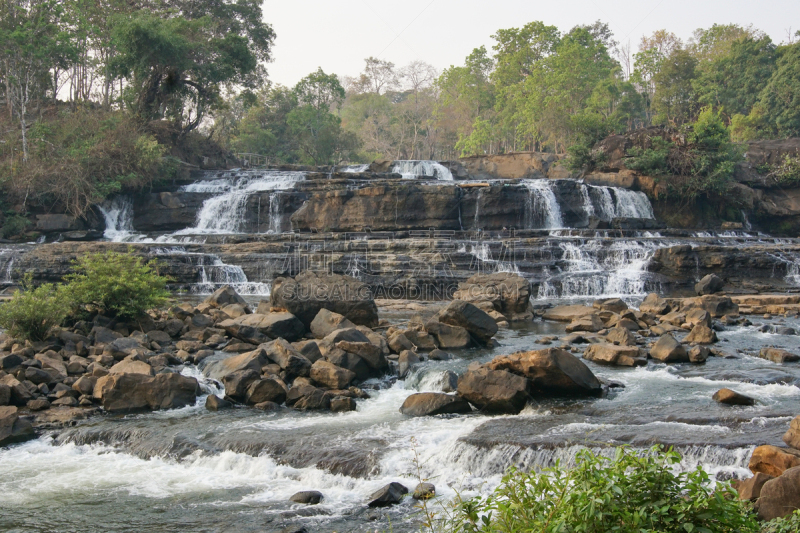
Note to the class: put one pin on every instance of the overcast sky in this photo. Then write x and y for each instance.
(338, 34)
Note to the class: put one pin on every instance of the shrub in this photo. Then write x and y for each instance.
(32, 312)
(651, 161)
(120, 285)
(790, 524)
(14, 225)
(630, 493)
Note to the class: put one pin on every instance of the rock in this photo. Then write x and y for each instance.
(494, 391)
(701, 334)
(12, 427)
(750, 489)
(326, 322)
(422, 340)
(780, 497)
(699, 354)
(38, 405)
(237, 383)
(252, 360)
(772, 460)
(448, 337)
(591, 323)
(424, 491)
(215, 403)
(308, 293)
(434, 403)
(173, 327)
(7, 362)
(717, 306)
(284, 355)
(136, 392)
(201, 321)
(85, 385)
(37, 375)
(668, 350)
(330, 375)
(309, 349)
(776, 355)
(389, 495)
(235, 310)
(480, 325)
(5, 394)
(439, 355)
(697, 317)
(655, 305)
(65, 401)
(405, 362)
(224, 296)
(399, 343)
(709, 285)
(621, 336)
(568, 313)
(792, 436)
(371, 354)
(342, 404)
(508, 293)
(131, 366)
(20, 395)
(729, 397)
(274, 325)
(119, 349)
(615, 305)
(308, 497)
(610, 354)
(315, 400)
(550, 372)
(267, 406)
(266, 390)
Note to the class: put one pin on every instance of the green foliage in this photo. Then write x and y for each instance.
(786, 173)
(674, 98)
(588, 129)
(653, 160)
(631, 493)
(781, 96)
(13, 225)
(32, 312)
(747, 128)
(790, 524)
(116, 284)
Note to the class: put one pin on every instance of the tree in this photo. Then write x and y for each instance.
(733, 81)
(379, 75)
(716, 42)
(674, 99)
(33, 43)
(177, 66)
(780, 99)
(653, 50)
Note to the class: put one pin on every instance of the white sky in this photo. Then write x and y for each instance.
(338, 34)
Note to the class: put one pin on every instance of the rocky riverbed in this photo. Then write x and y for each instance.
(235, 406)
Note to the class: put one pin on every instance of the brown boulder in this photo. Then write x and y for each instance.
(780, 497)
(729, 397)
(668, 350)
(621, 336)
(701, 334)
(508, 293)
(610, 354)
(330, 375)
(266, 390)
(590, 323)
(494, 391)
(709, 285)
(12, 427)
(750, 489)
(776, 355)
(448, 337)
(655, 305)
(326, 322)
(772, 460)
(287, 357)
(478, 323)
(224, 296)
(252, 360)
(792, 436)
(137, 392)
(434, 403)
(550, 372)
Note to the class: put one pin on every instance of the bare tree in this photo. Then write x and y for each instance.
(381, 75)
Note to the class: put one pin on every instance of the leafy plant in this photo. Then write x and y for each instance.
(630, 493)
(787, 172)
(789, 524)
(33, 312)
(652, 161)
(118, 284)
(13, 225)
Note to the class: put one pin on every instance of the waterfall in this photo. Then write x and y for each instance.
(588, 207)
(422, 169)
(355, 169)
(598, 269)
(275, 218)
(7, 257)
(746, 222)
(616, 202)
(542, 210)
(226, 212)
(118, 215)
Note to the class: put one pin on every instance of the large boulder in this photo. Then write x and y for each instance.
(12, 427)
(777, 355)
(709, 285)
(269, 326)
(308, 292)
(479, 324)
(772, 460)
(287, 357)
(266, 390)
(448, 337)
(550, 372)
(792, 436)
(568, 313)
(750, 489)
(668, 350)
(137, 392)
(729, 397)
(224, 296)
(654, 304)
(434, 403)
(508, 293)
(590, 323)
(611, 354)
(252, 360)
(330, 375)
(237, 383)
(326, 322)
(388, 495)
(701, 334)
(494, 391)
(780, 497)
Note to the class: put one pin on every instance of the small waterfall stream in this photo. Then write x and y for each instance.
(422, 170)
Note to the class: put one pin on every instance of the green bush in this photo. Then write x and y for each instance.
(790, 524)
(32, 312)
(631, 493)
(14, 225)
(116, 284)
(651, 161)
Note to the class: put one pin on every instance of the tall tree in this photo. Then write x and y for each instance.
(780, 98)
(674, 101)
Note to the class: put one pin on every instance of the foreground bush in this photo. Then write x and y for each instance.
(33, 312)
(115, 284)
(627, 494)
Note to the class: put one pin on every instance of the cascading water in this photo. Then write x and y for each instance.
(7, 257)
(225, 212)
(355, 169)
(542, 210)
(118, 215)
(213, 273)
(615, 202)
(422, 170)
